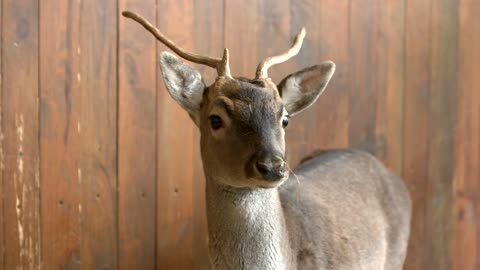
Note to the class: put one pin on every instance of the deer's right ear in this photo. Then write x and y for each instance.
(184, 83)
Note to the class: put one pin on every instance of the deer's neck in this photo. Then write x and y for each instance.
(247, 229)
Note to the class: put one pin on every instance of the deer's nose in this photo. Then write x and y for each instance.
(271, 169)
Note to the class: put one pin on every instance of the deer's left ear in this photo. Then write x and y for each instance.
(301, 89)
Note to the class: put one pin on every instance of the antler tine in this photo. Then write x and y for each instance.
(222, 65)
(262, 69)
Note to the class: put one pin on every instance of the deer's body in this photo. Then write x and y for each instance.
(341, 210)
(345, 211)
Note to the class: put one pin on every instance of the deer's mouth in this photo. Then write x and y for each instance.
(273, 175)
(272, 181)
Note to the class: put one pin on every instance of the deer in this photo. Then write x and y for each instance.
(338, 209)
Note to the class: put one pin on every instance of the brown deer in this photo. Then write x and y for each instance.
(346, 211)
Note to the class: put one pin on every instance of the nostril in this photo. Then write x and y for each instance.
(262, 167)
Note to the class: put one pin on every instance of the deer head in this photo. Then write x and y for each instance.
(241, 121)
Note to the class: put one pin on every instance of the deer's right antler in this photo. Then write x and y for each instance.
(221, 65)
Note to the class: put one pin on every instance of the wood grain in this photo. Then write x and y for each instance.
(362, 60)
(2, 192)
(302, 14)
(244, 27)
(466, 218)
(329, 117)
(416, 123)
(101, 171)
(97, 128)
(308, 131)
(389, 81)
(60, 135)
(137, 139)
(20, 131)
(275, 34)
(174, 151)
(442, 103)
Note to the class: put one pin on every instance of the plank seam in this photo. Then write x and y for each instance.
(155, 245)
(2, 249)
(401, 140)
(427, 184)
(40, 230)
(117, 131)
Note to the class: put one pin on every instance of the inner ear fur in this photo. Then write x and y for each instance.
(184, 83)
(301, 89)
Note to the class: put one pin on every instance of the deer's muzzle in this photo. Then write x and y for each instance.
(271, 167)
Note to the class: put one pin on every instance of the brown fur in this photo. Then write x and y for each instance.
(358, 213)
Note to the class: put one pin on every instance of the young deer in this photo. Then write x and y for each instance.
(346, 211)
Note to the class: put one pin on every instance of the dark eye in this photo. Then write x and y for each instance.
(215, 122)
(285, 121)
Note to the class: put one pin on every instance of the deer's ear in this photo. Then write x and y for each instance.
(301, 89)
(184, 83)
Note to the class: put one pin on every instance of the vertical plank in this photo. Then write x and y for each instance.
(242, 26)
(137, 139)
(175, 146)
(21, 145)
(60, 135)
(324, 125)
(328, 118)
(97, 128)
(208, 38)
(303, 14)
(416, 123)
(439, 190)
(466, 224)
(2, 190)
(274, 36)
(363, 100)
(389, 81)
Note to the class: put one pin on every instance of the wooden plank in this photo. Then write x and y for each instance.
(174, 147)
(439, 190)
(274, 35)
(416, 123)
(208, 38)
(302, 14)
(327, 121)
(325, 124)
(20, 127)
(466, 223)
(60, 135)
(362, 59)
(137, 139)
(2, 191)
(242, 26)
(97, 128)
(389, 81)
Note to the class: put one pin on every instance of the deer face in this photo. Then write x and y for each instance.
(242, 133)
(241, 121)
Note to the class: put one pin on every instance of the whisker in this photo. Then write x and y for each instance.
(291, 171)
(296, 178)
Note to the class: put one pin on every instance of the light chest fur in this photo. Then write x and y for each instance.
(245, 231)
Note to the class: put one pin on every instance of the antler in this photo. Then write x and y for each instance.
(262, 69)
(222, 65)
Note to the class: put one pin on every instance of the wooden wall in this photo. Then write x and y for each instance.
(100, 169)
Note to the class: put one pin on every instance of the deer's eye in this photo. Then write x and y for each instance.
(285, 121)
(215, 122)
